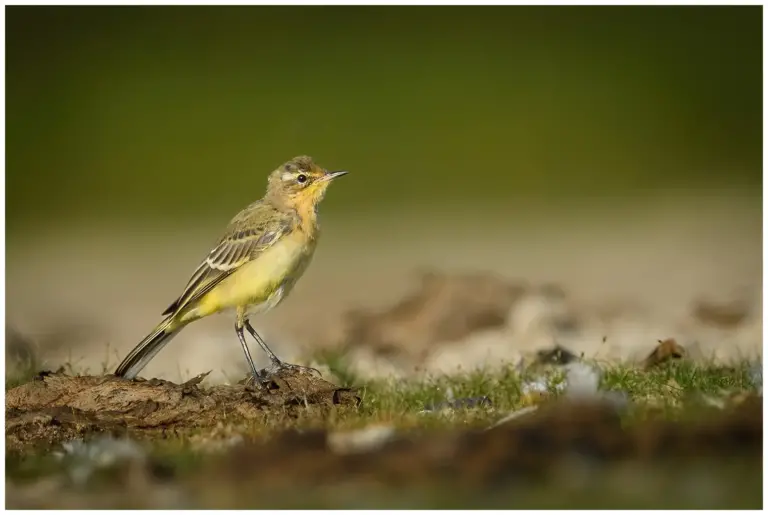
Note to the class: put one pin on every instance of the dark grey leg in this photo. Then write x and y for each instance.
(275, 360)
(241, 337)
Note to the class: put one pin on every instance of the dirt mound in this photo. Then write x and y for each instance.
(443, 308)
(55, 407)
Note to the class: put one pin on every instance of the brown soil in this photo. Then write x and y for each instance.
(443, 308)
(55, 407)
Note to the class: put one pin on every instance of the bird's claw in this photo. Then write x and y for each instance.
(279, 366)
(258, 381)
(262, 378)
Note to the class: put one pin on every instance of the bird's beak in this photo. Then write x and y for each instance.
(329, 176)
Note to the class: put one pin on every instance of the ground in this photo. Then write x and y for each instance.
(670, 434)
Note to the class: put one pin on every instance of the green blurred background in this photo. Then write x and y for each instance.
(179, 112)
(614, 151)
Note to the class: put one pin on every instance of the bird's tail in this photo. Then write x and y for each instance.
(146, 350)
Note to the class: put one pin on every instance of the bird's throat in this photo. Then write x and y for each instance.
(308, 221)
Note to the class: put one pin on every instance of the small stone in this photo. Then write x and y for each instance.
(665, 351)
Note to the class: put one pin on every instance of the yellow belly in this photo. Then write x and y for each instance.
(255, 282)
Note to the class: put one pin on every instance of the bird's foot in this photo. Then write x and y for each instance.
(264, 378)
(258, 380)
(279, 366)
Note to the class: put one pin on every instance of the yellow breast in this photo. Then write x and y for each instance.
(252, 284)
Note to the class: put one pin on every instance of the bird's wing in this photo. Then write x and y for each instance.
(252, 231)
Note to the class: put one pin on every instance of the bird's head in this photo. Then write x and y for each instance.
(300, 182)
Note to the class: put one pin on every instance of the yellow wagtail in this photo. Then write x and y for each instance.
(264, 251)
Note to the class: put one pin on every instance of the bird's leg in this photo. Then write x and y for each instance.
(241, 337)
(277, 363)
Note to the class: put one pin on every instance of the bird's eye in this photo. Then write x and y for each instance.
(301, 178)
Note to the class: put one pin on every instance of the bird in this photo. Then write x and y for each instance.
(252, 268)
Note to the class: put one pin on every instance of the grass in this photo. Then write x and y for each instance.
(21, 372)
(674, 386)
(674, 390)
(400, 402)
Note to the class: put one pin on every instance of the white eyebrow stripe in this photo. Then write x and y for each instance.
(286, 176)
